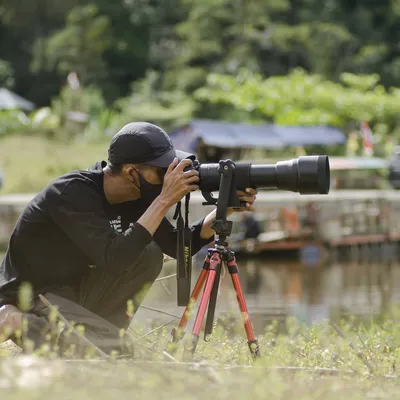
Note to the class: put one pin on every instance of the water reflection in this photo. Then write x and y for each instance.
(276, 289)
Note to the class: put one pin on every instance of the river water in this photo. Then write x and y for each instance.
(275, 290)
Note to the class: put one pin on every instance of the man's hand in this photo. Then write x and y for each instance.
(178, 183)
(249, 197)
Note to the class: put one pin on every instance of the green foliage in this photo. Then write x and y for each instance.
(305, 99)
(80, 46)
(88, 100)
(12, 121)
(44, 120)
(155, 54)
(321, 42)
(6, 75)
(148, 102)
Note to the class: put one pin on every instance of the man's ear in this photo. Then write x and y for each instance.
(129, 171)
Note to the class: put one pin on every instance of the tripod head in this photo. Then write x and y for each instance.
(227, 198)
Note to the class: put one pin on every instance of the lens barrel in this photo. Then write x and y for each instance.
(305, 175)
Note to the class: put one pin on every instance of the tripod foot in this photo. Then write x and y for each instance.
(190, 348)
(177, 336)
(254, 348)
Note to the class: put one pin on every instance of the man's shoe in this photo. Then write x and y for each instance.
(10, 321)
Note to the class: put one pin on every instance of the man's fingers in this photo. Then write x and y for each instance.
(247, 192)
(183, 164)
(251, 191)
(248, 199)
(193, 188)
(192, 179)
(190, 173)
(172, 165)
(250, 207)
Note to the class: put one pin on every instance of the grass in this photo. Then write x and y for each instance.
(29, 163)
(354, 361)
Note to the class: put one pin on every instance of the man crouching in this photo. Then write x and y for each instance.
(93, 240)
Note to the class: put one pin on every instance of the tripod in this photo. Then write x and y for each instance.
(216, 258)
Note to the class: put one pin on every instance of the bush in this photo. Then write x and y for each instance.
(304, 99)
(13, 121)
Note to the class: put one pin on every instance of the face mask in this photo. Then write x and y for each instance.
(148, 191)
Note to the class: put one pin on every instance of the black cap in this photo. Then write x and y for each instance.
(144, 143)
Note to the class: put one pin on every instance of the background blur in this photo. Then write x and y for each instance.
(72, 73)
(88, 68)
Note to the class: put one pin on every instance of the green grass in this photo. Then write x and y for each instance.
(326, 367)
(29, 163)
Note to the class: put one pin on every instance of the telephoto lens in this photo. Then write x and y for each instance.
(304, 175)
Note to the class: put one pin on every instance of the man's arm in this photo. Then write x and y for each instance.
(203, 234)
(79, 212)
(248, 197)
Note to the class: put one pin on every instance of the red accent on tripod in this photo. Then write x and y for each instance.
(242, 303)
(193, 298)
(210, 276)
(215, 262)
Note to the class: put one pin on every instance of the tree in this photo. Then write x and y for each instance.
(114, 44)
(308, 99)
(80, 46)
(6, 75)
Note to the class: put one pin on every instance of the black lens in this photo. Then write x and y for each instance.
(305, 175)
(209, 177)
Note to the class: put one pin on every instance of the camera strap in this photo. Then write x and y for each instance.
(184, 252)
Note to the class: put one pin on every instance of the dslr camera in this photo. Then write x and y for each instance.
(304, 175)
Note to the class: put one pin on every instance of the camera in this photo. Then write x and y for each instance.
(305, 175)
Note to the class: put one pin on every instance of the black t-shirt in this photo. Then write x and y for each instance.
(69, 227)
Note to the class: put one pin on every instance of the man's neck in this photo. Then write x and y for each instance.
(116, 190)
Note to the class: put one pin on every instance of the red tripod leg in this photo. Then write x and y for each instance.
(251, 340)
(178, 333)
(189, 308)
(215, 263)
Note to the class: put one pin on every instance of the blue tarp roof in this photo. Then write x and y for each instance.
(244, 135)
(309, 135)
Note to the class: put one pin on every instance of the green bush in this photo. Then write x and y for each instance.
(305, 99)
(13, 121)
